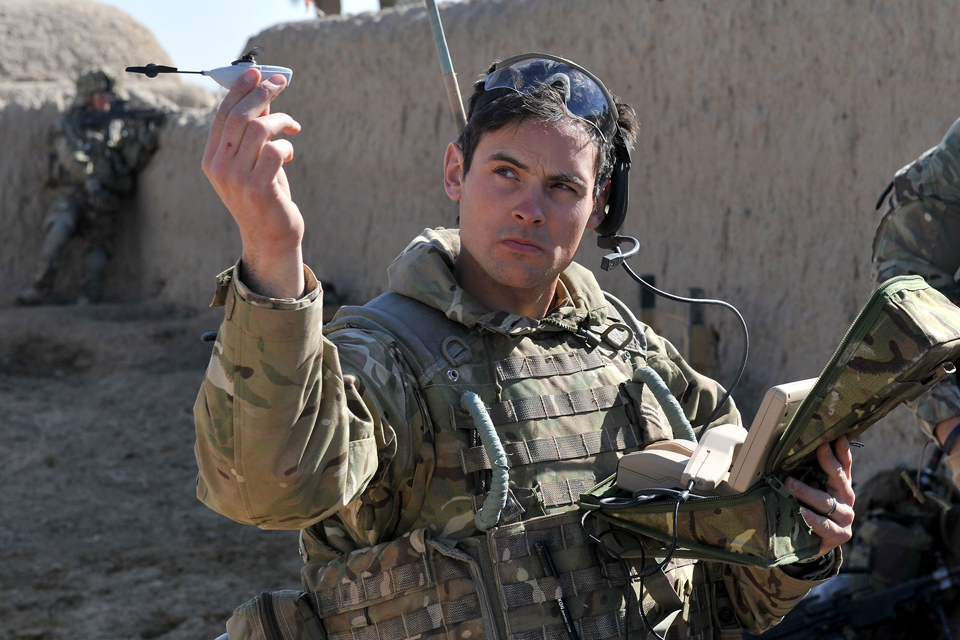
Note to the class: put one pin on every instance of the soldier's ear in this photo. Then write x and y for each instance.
(453, 172)
(599, 207)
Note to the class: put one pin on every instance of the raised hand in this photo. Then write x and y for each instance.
(245, 166)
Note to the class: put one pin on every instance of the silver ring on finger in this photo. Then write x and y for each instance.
(833, 508)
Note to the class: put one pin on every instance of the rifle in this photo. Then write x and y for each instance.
(833, 616)
(120, 109)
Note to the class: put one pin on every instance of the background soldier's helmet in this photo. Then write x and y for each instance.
(96, 80)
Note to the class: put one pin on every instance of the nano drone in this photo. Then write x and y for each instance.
(224, 76)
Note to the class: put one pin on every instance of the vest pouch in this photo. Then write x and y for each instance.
(761, 527)
(591, 585)
(276, 615)
(409, 587)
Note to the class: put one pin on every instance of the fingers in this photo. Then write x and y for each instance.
(244, 84)
(271, 158)
(258, 133)
(822, 502)
(247, 102)
(246, 112)
(832, 533)
(837, 462)
(829, 512)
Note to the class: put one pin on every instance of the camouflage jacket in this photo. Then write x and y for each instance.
(110, 147)
(297, 430)
(919, 234)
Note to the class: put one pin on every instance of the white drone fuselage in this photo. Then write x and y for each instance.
(227, 76)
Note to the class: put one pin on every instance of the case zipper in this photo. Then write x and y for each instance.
(815, 397)
(268, 616)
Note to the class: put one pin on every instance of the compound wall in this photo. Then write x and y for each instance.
(769, 129)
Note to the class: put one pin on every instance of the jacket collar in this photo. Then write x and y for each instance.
(424, 272)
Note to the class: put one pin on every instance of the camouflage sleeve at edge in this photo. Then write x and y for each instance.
(919, 234)
(697, 394)
(284, 438)
(761, 597)
(941, 403)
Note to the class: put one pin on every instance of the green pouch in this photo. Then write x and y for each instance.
(904, 340)
(275, 615)
(403, 588)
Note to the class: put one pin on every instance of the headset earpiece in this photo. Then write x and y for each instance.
(618, 199)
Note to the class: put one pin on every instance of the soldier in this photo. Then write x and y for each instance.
(99, 146)
(919, 234)
(357, 435)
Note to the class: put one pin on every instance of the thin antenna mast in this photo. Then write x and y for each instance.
(446, 66)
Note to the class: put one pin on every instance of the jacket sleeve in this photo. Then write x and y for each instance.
(698, 395)
(286, 438)
(761, 597)
(918, 235)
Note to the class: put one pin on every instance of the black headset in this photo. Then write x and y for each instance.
(618, 199)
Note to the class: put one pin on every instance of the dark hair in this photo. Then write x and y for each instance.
(545, 104)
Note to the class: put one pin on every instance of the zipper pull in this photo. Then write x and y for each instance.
(779, 487)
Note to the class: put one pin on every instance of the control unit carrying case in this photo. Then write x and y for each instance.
(904, 340)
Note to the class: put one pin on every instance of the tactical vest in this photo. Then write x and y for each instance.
(565, 409)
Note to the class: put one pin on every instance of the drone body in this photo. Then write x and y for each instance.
(224, 76)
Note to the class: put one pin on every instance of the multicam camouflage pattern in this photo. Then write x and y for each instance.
(919, 234)
(761, 528)
(894, 351)
(247, 622)
(342, 437)
(410, 587)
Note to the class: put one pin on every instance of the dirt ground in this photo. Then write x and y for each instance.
(101, 535)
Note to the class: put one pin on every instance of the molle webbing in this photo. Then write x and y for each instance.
(568, 585)
(601, 627)
(546, 406)
(544, 366)
(519, 545)
(391, 582)
(413, 623)
(551, 494)
(596, 577)
(555, 448)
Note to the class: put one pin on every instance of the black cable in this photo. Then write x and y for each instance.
(722, 303)
(649, 495)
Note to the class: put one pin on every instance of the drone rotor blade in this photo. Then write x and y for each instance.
(249, 55)
(151, 70)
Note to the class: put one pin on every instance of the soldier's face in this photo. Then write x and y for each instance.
(524, 204)
(99, 102)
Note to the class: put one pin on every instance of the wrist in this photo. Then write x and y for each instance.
(273, 276)
(947, 435)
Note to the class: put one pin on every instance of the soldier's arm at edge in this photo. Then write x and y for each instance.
(276, 443)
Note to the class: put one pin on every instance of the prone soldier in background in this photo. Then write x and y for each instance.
(99, 146)
(919, 234)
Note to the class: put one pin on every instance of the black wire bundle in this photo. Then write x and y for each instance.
(647, 496)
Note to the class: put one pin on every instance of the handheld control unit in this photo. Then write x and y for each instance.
(727, 460)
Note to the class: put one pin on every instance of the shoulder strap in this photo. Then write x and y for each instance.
(427, 339)
(626, 316)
